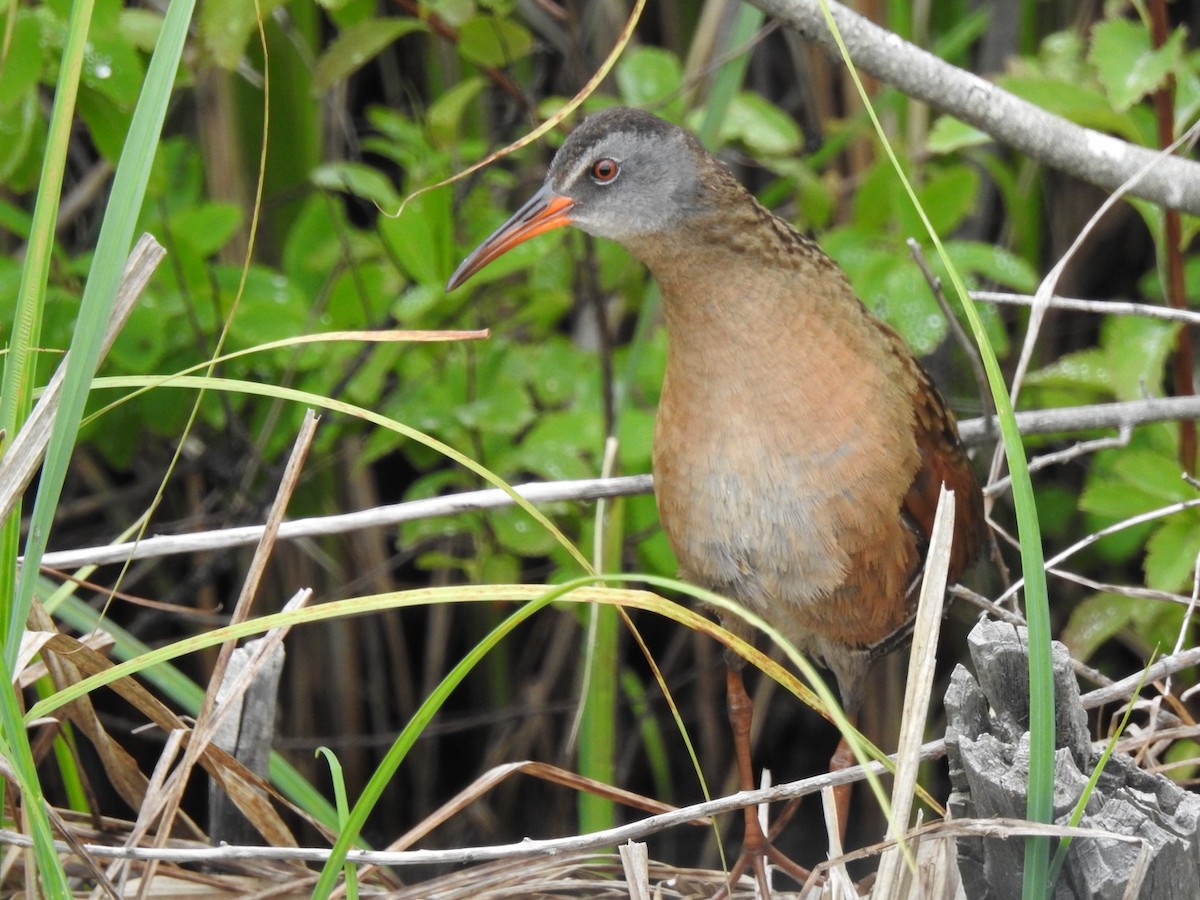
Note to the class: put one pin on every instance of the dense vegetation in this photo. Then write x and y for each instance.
(289, 144)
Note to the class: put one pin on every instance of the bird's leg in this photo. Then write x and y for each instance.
(843, 758)
(755, 846)
(741, 715)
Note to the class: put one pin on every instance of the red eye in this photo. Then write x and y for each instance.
(605, 170)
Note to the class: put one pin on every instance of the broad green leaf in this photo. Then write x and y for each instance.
(1171, 552)
(19, 126)
(647, 76)
(445, 119)
(948, 196)
(1187, 92)
(1138, 350)
(493, 41)
(560, 374)
(360, 298)
(874, 202)
(1128, 67)
(314, 241)
(356, 46)
(140, 27)
(503, 409)
(949, 135)
(993, 263)
(1087, 369)
(907, 304)
(452, 12)
(764, 128)
(22, 67)
(1099, 618)
(420, 237)
(516, 531)
(271, 308)
(226, 25)
(1060, 57)
(563, 445)
(113, 68)
(207, 227)
(139, 347)
(358, 179)
(107, 124)
(1153, 474)
(16, 222)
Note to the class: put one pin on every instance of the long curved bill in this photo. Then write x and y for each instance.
(544, 211)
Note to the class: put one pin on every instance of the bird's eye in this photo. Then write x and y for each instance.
(605, 171)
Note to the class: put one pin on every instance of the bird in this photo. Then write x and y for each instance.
(799, 446)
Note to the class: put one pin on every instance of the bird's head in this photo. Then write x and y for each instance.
(623, 174)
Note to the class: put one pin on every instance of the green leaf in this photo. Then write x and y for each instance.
(1128, 67)
(949, 135)
(764, 128)
(647, 76)
(1083, 369)
(19, 126)
(452, 12)
(993, 263)
(1155, 475)
(113, 68)
(358, 179)
(875, 201)
(1171, 552)
(492, 41)
(23, 65)
(420, 237)
(1096, 620)
(206, 228)
(904, 301)
(445, 118)
(1138, 350)
(563, 445)
(948, 196)
(271, 308)
(356, 46)
(139, 347)
(107, 123)
(140, 27)
(516, 531)
(226, 25)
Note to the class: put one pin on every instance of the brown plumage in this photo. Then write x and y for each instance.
(799, 446)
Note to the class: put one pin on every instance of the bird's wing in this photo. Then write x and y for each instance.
(943, 461)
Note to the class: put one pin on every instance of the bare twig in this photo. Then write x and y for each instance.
(1161, 513)
(1096, 158)
(1099, 307)
(1083, 448)
(973, 431)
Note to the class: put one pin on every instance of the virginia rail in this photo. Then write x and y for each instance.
(799, 447)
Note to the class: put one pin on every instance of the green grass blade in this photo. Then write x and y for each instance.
(343, 812)
(421, 718)
(16, 393)
(116, 237)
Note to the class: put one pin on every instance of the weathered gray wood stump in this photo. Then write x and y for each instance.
(987, 743)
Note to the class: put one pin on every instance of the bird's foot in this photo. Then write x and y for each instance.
(757, 851)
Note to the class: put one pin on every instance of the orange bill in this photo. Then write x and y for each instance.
(544, 211)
